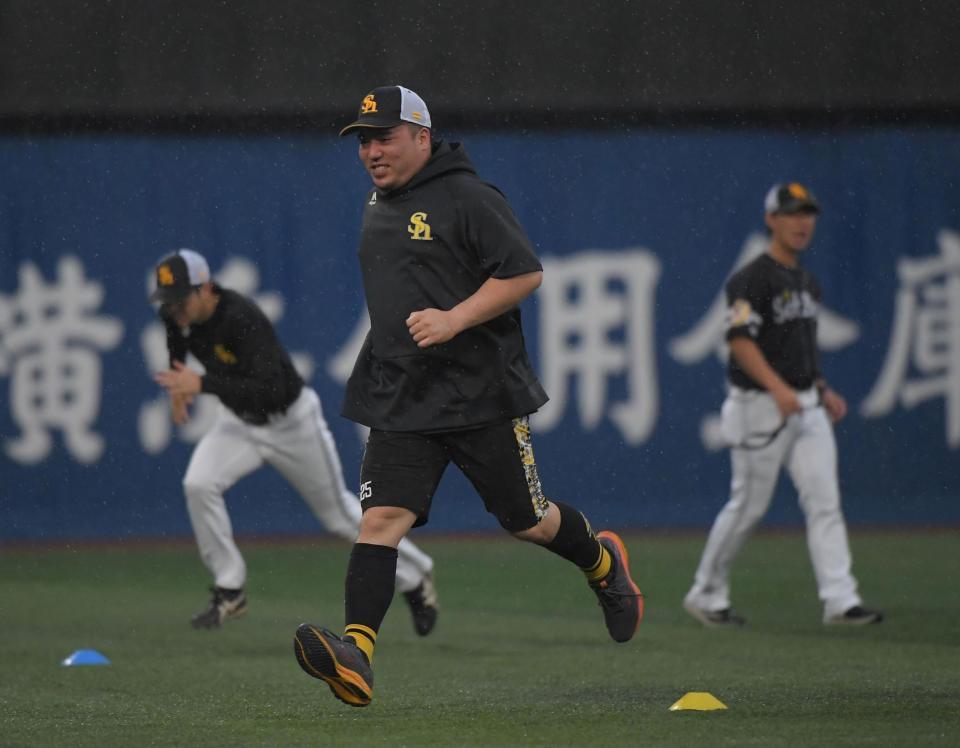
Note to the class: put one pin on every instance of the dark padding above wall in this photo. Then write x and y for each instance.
(478, 63)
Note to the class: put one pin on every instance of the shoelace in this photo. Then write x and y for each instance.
(607, 598)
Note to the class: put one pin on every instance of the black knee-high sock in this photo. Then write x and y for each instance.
(371, 578)
(575, 540)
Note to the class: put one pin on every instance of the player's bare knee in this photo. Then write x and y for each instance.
(545, 530)
(385, 525)
(537, 534)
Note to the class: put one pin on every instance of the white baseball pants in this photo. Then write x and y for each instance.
(808, 450)
(300, 446)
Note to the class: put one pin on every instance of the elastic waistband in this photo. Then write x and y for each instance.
(809, 398)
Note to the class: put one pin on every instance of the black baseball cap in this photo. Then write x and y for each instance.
(388, 106)
(790, 197)
(178, 274)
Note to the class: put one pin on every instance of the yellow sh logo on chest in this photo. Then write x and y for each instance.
(419, 229)
(223, 354)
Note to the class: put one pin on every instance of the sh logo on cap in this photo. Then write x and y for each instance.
(164, 275)
(389, 106)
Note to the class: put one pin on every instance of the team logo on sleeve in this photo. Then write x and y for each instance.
(223, 354)
(741, 314)
(419, 229)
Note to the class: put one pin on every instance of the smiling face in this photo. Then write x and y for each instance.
(392, 156)
(790, 233)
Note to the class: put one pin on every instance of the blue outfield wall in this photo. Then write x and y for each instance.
(638, 231)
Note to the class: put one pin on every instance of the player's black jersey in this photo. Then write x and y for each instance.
(246, 367)
(776, 307)
(431, 244)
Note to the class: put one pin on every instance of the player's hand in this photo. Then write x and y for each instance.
(178, 408)
(179, 380)
(787, 402)
(834, 404)
(432, 326)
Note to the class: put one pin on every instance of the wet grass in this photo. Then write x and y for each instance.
(520, 656)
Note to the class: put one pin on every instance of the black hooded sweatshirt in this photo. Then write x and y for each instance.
(431, 244)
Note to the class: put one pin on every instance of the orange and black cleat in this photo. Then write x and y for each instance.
(337, 662)
(620, 598)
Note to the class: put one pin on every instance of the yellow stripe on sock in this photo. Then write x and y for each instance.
(364, 637)
(600, 569)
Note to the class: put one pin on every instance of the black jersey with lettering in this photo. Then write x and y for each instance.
(776, 307)
(431, 244)
(246, 367)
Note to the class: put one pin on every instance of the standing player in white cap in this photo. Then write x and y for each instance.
(779, 412)
(267, 415)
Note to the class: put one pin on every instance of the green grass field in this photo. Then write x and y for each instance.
(520, 655)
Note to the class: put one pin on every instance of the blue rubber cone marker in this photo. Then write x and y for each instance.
(85, 657)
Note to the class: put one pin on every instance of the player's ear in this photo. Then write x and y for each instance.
(768, 219)
(423, 137)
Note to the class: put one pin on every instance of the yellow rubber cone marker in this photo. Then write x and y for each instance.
(699, 701)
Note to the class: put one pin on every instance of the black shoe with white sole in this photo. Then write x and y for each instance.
(855, 616)
(224, 605)
(715, 619)
(423, 605)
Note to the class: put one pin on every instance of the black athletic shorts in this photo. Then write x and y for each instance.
(404, 468)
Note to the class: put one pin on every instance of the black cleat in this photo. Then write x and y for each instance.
(339, 663)
(855, 616)
(423, 605)
(620, 598)
(224, 604)
(715, 619)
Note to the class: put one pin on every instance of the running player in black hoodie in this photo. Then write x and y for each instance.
(443, 377)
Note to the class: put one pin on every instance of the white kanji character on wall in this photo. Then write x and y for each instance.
(926, 335)
(50, 341)
(596, 323)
